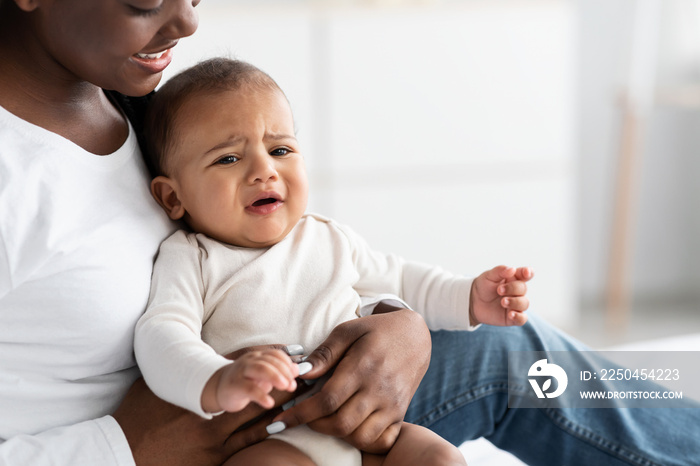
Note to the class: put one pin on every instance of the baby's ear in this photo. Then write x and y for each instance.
(164, 190)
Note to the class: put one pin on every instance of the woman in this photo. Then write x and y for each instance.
(75, 262)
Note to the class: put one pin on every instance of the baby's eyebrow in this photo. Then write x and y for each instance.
(232, 141)
(278, 136)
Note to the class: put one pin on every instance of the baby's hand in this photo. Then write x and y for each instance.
(250, 378)
(498, 296)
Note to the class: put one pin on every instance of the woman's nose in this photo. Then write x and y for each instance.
(183, 20)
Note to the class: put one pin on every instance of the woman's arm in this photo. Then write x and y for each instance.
(161, 434)
(145, 431)
(98, 441)
(379, 362)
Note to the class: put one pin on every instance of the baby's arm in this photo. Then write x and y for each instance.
(250, 378)
(498, 296)
(445, 300)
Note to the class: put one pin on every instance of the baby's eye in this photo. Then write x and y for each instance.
(227, 160)
(280, 151)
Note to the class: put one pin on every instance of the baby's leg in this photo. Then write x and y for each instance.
(417, 446)
(270, 452)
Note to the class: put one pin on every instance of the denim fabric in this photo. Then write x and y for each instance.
(464, 396)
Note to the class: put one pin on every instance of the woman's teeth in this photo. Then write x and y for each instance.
(150, 56)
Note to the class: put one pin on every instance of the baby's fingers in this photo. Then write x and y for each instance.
(516, 304)
(283, 363)
(500, 272)
(274, 371)
(524, 273)
(516, 288)
(235, 398)
(264, 400)
(514, 318)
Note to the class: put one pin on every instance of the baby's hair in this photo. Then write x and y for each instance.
(209, 76)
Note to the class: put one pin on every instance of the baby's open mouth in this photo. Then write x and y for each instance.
(260, 202)
(266, 204)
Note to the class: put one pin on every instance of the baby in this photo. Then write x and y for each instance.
(253, 268)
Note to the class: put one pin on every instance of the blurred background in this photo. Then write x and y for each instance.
(470, 133)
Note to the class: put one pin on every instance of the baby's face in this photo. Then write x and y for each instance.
(237, 166)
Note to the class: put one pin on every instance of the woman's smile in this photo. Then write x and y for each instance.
(154, 62)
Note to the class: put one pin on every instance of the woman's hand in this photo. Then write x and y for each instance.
(160, 433)
(379, 361)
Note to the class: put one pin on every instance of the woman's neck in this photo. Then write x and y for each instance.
(39, 90)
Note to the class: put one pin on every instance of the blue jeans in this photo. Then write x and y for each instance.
(464, 396)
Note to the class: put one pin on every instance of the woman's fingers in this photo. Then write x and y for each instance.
(345, 420)
(324, 404)
(252, 433)
(327, 355)
(373, 437)
(370, 431)
(382, 359)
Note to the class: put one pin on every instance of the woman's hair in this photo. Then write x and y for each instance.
(209, 76)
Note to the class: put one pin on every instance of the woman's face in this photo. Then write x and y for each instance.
(121, 45)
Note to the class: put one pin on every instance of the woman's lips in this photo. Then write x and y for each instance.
(154, 62)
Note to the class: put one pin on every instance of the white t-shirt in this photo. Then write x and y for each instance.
(78, 235)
